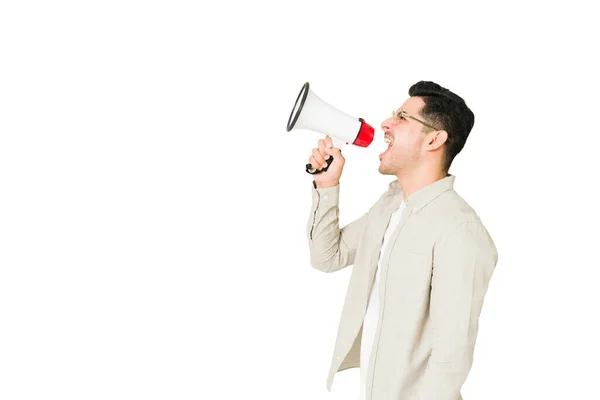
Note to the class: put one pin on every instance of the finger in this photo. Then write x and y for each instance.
(322, 146)
(315, 164)
(328, 142)
(318, 157)
(335, 152)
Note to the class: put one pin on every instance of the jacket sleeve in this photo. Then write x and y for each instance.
(331, 248)
(464, 261)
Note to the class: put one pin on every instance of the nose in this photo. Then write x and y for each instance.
(387, 124)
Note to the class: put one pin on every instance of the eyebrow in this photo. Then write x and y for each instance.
(409, 113)
(420, 121)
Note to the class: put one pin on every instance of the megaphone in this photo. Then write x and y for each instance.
(312, 113)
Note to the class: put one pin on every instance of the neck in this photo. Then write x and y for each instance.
(413, 181)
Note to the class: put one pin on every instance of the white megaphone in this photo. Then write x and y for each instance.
(310, 112)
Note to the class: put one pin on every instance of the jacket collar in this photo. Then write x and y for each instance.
(423, 196)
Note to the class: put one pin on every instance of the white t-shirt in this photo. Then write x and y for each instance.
(372, 313)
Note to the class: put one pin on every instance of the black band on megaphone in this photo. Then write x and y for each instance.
(302, 98)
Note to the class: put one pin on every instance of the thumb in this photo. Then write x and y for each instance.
(334, 151)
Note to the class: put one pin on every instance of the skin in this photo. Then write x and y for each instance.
(413, 156)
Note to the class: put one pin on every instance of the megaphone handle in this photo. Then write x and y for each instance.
(336, 143)
(309, 167)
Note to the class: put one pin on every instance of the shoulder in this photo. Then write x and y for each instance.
(453, 215)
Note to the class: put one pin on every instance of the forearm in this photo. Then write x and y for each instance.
(331, 248)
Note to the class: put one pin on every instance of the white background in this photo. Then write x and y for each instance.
(153, 207)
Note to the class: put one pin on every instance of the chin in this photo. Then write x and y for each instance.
(384, 170)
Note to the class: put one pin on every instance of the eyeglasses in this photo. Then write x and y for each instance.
(399, 114)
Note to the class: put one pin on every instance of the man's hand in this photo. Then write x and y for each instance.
(331, 177)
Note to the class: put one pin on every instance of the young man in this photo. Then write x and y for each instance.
(422, 257)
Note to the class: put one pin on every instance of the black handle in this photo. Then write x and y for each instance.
(328, 161)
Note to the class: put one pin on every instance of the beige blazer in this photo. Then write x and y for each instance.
(435, 273)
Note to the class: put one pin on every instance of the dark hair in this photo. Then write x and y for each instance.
(446, 111)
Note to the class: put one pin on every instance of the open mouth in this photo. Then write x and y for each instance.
(389, 143)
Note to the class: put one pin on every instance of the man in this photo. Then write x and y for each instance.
(422, 257)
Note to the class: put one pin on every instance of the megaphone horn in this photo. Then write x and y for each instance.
(312, 113)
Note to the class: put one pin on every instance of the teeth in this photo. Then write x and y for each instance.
(388, 141)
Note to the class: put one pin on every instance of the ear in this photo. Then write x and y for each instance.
(436, 139)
